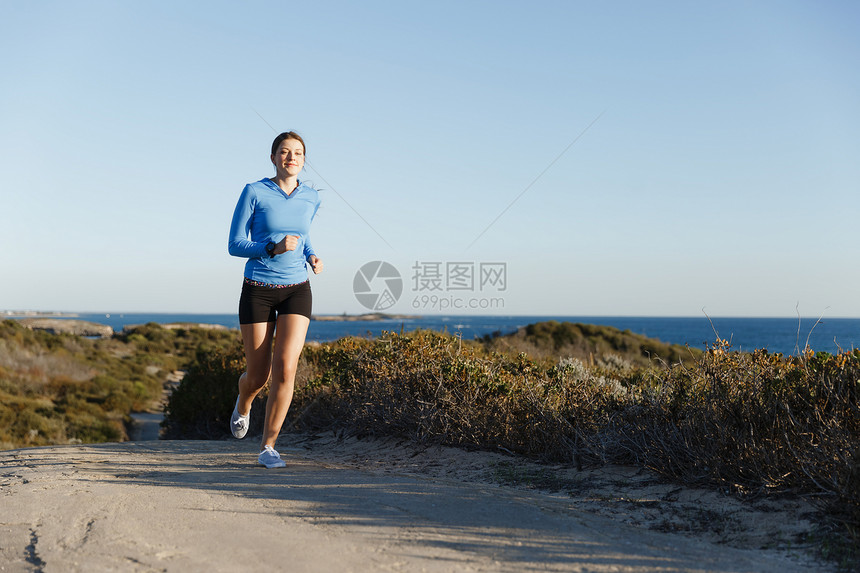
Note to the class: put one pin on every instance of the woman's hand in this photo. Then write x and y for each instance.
(288, 243)
(316, 264)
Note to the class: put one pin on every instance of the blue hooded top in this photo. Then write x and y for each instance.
(265, 213)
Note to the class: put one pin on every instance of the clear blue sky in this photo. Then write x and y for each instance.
(722, 172)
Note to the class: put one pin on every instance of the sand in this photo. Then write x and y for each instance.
(370, 505)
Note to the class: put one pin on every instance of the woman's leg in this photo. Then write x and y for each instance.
(289, 341)
(257, 340)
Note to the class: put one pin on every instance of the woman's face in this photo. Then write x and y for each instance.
(289, 158)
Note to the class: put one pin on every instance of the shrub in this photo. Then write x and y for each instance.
(429, 387)
(750, 421)
(201, 406)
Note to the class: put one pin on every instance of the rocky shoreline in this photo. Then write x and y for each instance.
(68, 326)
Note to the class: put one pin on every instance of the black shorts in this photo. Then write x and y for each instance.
(265, 304)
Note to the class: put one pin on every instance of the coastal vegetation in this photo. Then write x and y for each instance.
(63, 388)
(589, 342)
(751, 424)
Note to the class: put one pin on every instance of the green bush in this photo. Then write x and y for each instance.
(201, 406)
(588, 342)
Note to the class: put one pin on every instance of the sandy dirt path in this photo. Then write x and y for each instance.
(206, 506)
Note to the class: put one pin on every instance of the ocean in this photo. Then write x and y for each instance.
(783, 335)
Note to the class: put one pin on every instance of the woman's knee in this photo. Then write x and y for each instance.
(256, 380)
(284, 376)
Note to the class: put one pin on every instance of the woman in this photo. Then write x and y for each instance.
(270, 228)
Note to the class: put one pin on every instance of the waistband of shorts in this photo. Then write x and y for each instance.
(251, 282)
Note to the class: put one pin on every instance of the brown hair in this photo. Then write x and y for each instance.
(288, 135)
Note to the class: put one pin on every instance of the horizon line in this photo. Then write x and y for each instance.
(72, 313)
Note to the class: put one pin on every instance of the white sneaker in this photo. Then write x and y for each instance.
(270, 458)
(239, 424)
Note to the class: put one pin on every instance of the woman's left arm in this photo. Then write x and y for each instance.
(310, 256)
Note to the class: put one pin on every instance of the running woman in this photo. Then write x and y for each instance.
(270, 228)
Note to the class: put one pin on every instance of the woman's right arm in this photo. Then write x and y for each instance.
(239, 245)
